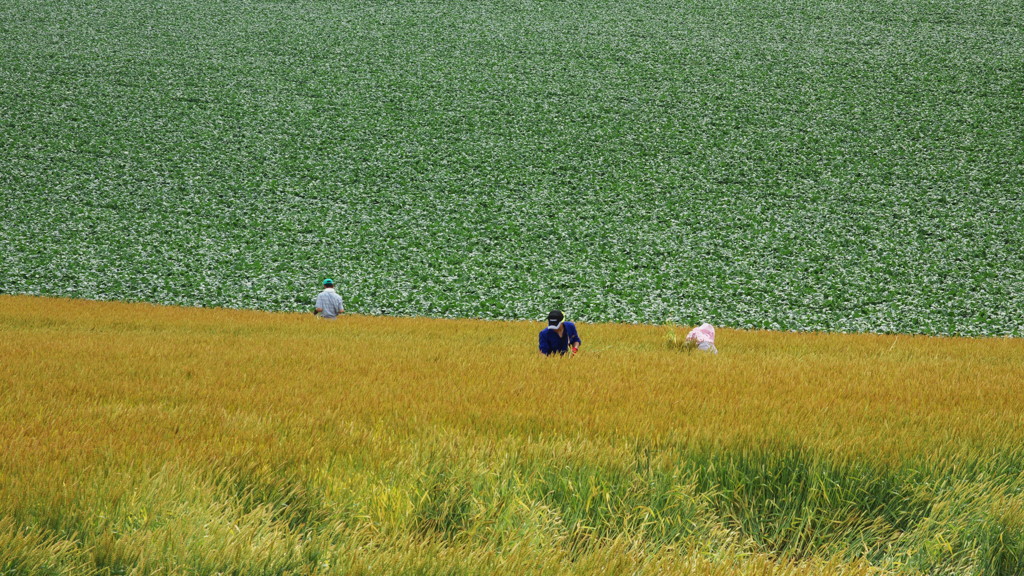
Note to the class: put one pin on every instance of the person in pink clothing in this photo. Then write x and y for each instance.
(702, 338)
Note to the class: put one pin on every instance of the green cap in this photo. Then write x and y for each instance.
(328, 281)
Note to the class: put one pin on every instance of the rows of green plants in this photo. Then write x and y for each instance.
(850, 166)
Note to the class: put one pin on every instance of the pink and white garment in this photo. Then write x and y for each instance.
(704, 337)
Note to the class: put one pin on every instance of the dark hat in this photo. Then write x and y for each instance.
(555, 318)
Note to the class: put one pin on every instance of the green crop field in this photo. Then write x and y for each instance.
(839, 166)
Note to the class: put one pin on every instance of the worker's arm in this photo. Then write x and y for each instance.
(574, 340)
(544, 348)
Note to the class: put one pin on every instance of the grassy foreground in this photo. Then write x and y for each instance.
(137, 439)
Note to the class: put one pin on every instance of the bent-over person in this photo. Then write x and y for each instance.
(559, 335)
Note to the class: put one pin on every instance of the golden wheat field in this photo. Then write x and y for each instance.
(137, 439)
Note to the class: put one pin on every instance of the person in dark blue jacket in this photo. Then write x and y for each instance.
(559, 336)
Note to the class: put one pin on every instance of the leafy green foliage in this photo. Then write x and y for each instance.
(808, 166)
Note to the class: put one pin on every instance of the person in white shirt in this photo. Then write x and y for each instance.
(329, 303)
(702, 338)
